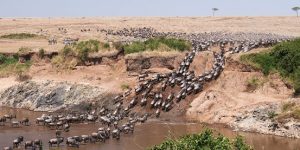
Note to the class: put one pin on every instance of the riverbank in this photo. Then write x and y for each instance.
(142, 137)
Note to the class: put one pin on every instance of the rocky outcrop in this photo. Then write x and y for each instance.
(51, 96)
(262, 120)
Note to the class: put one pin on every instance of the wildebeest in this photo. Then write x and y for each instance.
(56, 141)
(17, 141)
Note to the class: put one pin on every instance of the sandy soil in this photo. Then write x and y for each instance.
(278, 25)
(109, 77)
(7, 82)
(229, 96)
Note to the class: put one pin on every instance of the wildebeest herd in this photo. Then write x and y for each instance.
(153, 94)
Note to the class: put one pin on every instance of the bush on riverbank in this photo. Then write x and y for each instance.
(205, 140)
(19, 36)
(160, 44)
(284, 58)
(70, 56)
(10, 65)
(289, 110)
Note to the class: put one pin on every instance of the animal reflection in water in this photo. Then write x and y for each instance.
(155, 94)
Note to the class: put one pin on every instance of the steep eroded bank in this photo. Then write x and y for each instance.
(234, 99)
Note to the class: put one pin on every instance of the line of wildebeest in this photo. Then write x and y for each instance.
(160, 92)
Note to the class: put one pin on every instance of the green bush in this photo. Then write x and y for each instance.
(19, 36)
(10, 65)
(272, 114)
(2, 58)
(66, 51)
(263, 61)
(205, 140)
(283, 58)
(106, 45)
(70, 56)
(85, 47)
(41, 53)
(134, 47)
(155, 43)
(240, 144)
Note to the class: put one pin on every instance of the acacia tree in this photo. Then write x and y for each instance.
(296, 9)
(214, 10)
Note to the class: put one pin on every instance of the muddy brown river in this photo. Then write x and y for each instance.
(144, 136)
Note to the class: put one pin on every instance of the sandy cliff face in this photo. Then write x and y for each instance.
(229, 100)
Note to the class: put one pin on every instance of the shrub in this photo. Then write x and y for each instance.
(283, 58)
(66, 51)
(41, 53)
(288, 106)
(57, 61)
(263, 61)
(106, 45)
(134, 47)
(10, 65)
(70, 56)
(2, 59)
(253, 84)
(204, 140)
(24, 51)
(64, 63)
(240, 144)
(293, 113)
(19, 36)
(125, 86)
(272, 114)
(85, 47)
(155, 44)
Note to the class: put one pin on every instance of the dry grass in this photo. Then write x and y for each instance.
(254, 83)
(155, 53)
(289, 110)
(278, 25)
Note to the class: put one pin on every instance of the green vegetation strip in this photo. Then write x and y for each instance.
(19, 36)
(78, 53)
(203, 141)
(157, 44)
(284, 59)
(10, 65)
(71, 56)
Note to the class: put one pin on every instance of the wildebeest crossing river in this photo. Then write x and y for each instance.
(146, 135)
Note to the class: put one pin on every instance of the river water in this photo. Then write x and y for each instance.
(144, 136)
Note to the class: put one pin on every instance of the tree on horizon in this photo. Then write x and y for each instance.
(296, 9)
(214, 10)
